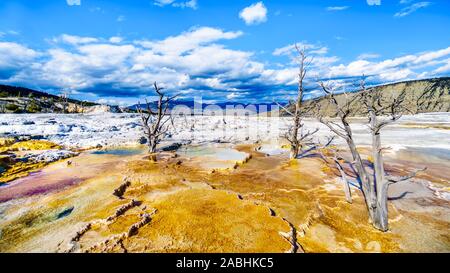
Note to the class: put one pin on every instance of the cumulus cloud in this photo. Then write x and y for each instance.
(395, 69)
(254, 14)
(189, 40)
(413, 66)
(189, 62)
(13, 55)
(412, 8)
(194, 63)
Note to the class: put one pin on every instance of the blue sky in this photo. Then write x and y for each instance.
(111, 51)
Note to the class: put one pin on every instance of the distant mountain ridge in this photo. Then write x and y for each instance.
(422, 96)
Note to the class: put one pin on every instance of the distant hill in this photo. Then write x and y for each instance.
(24, 100)
(433, 95)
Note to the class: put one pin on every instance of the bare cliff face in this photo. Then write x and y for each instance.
(422, 96)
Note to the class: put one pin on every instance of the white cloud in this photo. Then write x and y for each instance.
(254, 14)
(120, 18)
(289, 49)
(444, 68)
(9, 32)
(374, 2)
(433, 55)
(186, 62)
(179, 4)
(320, 51)
(391, 69)
(188, 4)
(232, 95)
(73, 2)
(412, 8)
(413, 66)
(337, 8)
(194, 62)
(163, 2)
(189, 40)
(13, 55)
(72, 39)
(115, 39)
(366, 56)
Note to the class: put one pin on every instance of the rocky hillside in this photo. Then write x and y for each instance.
(23, 100)
(422, 96)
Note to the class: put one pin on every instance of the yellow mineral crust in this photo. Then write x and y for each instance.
(183, 208)
(19, 169)
(31, 145)
(202, 220)
(6, 141)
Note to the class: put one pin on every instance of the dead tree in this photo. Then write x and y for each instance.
(382, 111)
(82, 107)
(64, 101)
(374, 186)
(156, 122)
(296, 135)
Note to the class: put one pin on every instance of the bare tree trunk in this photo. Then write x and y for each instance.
(365, 179)
(294, 150)
(347, 191)
(295, 145)
(380, 218)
